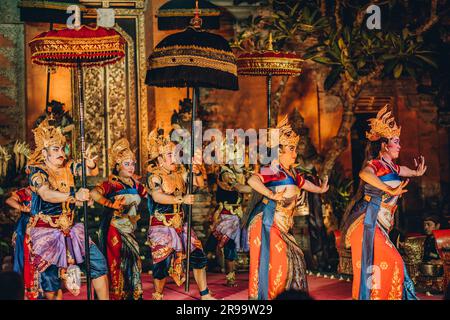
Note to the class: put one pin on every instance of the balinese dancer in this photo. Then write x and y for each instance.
(21, 201)
(167, 234)
(378, 269)
(276, 260)
(121, 195)
(226, 226)
(56, 243)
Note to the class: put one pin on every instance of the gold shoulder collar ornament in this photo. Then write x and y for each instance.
(120, 151)
(383, 126)
(45, 135)
(287, 136)
(171, 182)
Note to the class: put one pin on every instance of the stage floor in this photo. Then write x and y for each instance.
(320, 288)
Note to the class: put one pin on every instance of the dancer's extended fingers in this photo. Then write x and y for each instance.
(404, 183)
(279, 195)
(423, 162)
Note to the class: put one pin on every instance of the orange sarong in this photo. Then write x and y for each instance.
(388, 275)
(278, 264)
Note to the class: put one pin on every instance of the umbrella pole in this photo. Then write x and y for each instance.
(83, 181)
(269, 98)
(195, 97)
(47, 96)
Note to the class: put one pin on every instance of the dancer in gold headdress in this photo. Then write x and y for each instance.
(167, 234)
(225, 237)
(276, 261)
(378, 268)
(121, 195)
(57, 244)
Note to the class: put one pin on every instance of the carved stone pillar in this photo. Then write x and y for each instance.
(12, 74)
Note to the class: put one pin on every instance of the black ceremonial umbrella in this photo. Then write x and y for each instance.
(177, 14)
(192, 58)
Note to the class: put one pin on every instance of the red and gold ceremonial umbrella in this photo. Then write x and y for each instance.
(48, 11)
(269, 63)
(78, 48)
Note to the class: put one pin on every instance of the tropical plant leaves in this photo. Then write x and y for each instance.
(332, 77)
(324, 60)
(398, 71)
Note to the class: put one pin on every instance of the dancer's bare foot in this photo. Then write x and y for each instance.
(207, 297)
(157, 296)
(231, 280)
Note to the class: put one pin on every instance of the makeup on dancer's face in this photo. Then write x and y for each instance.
(56, 155)
(168, 160)
(393, 147)
(128, 166)
(288, 155)
(292, 150)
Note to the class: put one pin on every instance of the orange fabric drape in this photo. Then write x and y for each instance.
(278, 265)
(388, 274)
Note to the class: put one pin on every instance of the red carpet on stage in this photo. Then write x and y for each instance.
(320, 288)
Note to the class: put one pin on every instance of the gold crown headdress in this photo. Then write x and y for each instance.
(46, 135)
(120, 151)
(158, 144)
(287, 136)
(383, 126)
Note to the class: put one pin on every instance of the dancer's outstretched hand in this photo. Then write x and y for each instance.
(118, 203)
(278, 196)
(90, 159)
(324, 186)
(420, 166)
(189, 199)
(399, 190)
(82, 195)
(24, 208)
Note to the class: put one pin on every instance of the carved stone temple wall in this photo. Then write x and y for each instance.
(12, 74)
(116, 95)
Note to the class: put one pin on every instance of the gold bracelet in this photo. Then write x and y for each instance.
(179, 199)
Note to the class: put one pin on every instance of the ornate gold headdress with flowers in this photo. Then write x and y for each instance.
(158, 143)
(120, 151)
(287, 136)
(383, 126)
(45, 135)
